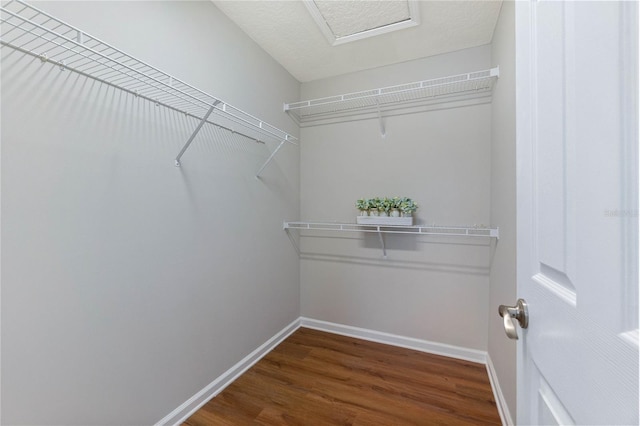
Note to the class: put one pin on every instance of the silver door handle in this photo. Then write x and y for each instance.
(518, 313)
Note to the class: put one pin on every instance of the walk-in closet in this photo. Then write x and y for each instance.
(190, 188)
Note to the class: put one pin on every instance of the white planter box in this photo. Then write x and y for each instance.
(383, 220)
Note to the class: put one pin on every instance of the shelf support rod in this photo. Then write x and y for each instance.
(195, 132)
(273, 154)
(384, 249)
(383, 133)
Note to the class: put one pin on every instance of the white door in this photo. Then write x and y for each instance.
(577, 159)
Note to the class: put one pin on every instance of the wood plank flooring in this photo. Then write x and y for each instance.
(317, 378)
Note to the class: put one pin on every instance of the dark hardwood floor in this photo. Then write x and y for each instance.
(317, 378)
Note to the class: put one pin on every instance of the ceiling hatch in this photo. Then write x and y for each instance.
(345, 21)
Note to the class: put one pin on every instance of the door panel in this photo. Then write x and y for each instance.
(577, 166)
(551, 411)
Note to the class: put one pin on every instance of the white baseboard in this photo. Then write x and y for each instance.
(503, 408)
(451, 351)
(190, 406)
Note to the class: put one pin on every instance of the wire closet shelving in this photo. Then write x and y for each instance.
(451, 231)
(462, 86)
(30, 30)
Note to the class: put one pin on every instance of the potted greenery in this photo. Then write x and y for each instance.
(395, 206)
(384, 206)
(374, 206)
(407, 207)
(386, 211)
(363, 206)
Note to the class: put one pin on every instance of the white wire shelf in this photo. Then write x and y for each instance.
(35, 32)
(450, 231)
(462, 86)
(456, 231)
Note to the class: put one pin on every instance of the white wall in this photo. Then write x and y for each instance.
(503, 202)
(430, 288)
(129, 284)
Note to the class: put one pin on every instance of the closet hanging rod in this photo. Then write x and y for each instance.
(140, 78)
(67, 65)
(35, 32)
(446, 231)
(132, 92)
(470, 85)
(441, 230)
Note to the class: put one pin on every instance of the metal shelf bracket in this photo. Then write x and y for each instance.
(383, 132)
(384, 249)
(273, 154)
(195, 132)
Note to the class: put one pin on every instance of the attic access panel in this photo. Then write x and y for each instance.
(345, 21)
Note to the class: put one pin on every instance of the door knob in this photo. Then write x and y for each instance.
(511, 314)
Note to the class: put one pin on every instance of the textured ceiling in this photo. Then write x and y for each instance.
(351, 17)
(287, 32)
